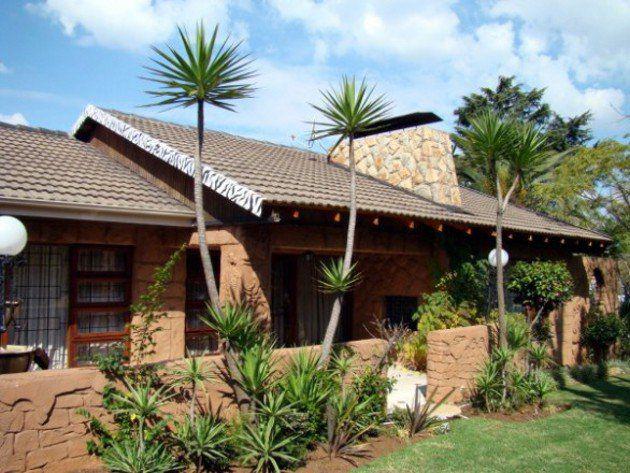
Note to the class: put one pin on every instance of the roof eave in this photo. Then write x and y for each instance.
(214, 180)
(98, 213)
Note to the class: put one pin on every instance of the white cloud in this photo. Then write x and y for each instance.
(14, 119)
(4, 69)
(422, 53)
(130, 24)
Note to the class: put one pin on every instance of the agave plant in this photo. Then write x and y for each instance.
(265, 447)
(257, 371)
(346, 417)
(236, 325)
(334, 279)
(489, 385)
(193, 373)
(420, 416)
(204, 441)
(540, 384)
(142, 404)
(539, 355)
(133, 456)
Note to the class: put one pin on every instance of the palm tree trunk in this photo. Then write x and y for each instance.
(500, 291)
(206, 262)
(335, 314)
(193, 400)
(204, 252)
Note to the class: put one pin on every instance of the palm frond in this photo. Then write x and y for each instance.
(203, 69)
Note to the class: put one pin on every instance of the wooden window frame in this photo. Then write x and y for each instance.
(74, 336)
(192, 304)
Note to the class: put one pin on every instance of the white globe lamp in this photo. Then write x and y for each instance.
(12, 236)
(492, 258)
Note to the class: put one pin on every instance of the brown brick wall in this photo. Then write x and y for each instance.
(40, 430)
(453, 359)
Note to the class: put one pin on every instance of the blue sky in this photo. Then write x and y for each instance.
(58, 55)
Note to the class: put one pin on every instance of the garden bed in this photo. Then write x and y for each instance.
(523, 414)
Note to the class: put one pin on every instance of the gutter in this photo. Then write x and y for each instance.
(98, 213)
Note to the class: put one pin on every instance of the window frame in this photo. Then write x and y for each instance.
(74, 337)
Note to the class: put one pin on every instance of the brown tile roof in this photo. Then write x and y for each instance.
(288, 175)
(40, 165)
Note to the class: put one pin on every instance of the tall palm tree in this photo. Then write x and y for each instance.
(346, 111)
(207, 71)
(513, 156)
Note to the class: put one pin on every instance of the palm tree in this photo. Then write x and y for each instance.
(207, 71)
(346, 111)
(512, 156)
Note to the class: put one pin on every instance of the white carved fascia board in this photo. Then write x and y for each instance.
(219, 183)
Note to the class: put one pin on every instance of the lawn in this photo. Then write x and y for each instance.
(594, 435)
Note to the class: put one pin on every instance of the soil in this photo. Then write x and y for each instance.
(524, 414)
(318, 461)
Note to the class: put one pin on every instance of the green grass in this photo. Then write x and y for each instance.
(594, 435)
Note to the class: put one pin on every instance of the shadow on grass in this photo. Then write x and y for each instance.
(610, 398)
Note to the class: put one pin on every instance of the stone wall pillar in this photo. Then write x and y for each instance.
(454, 357)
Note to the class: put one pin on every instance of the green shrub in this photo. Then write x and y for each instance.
(349, 420)
(540, 283)
(372, 386)
(134, 456)
(586, 374)
(540, 384)
(600, 333)
(266, 447)
(204, 442)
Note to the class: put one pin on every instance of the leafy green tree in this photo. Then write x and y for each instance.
(511, 155)
(346, 111)
(591, 189)
(510, 100)
(207, 71)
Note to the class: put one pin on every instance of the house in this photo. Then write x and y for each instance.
(108, 202)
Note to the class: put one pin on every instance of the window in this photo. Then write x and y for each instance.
(400, 310)
(200, 339)
(100, 293)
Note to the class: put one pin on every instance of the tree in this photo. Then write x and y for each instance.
(205, 72)
(346, 111)
(509, 153)
(510, 101)
(591, 189)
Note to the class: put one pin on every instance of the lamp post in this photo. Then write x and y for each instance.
(13, 239)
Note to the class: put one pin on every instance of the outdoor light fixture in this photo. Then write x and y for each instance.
(12, 241)
(12, 236)
(492, 258)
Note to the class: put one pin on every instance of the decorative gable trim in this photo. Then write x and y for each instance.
(219, 183)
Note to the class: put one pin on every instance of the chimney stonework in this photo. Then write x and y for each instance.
(418, 159)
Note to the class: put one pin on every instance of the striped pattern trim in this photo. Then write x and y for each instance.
(219, 183)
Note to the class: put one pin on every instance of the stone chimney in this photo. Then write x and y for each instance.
(418, 159)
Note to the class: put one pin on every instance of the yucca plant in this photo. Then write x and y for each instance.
(274, 406)
(192, 373)
(518, 333)
(256, 371)
(133, 456)
(334, 279)
(489, 385)
(204, 71)
(539, 356)
(348, 421)
(541, 384)
(420, 416)
(351, 108)
(511, 155)
(235, 324)
(265, 447)
(143, 405)
(204, 441)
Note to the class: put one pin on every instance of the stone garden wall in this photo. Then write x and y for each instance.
(40, 430)
(454, 357)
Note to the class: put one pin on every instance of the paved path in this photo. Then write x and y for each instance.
(406, 383)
